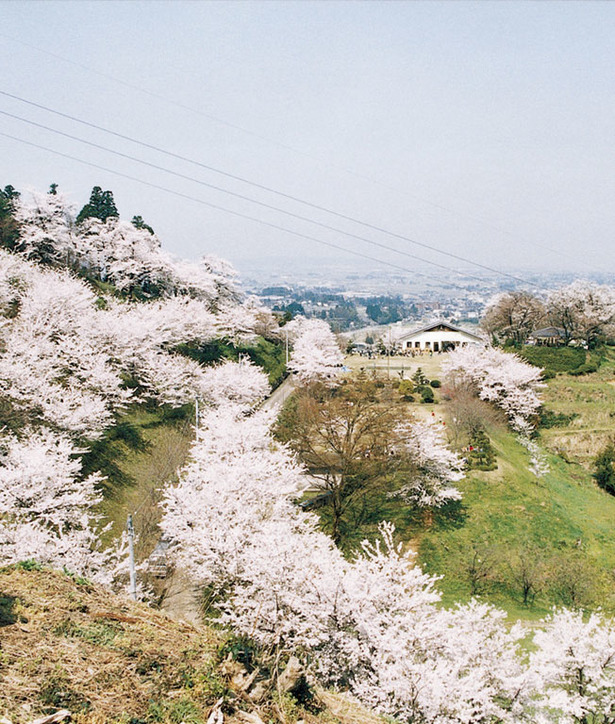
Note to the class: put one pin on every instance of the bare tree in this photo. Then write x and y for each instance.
(345, 437)
(529, 571)
(513, 316)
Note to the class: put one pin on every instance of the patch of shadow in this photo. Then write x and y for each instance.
(7, 614)
(451, 515)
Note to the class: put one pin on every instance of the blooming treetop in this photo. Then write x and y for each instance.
(574, 665)
(229, 382)
(436, 467)
(584, 310)
(46, 509)
(500, 378)
(316, 354)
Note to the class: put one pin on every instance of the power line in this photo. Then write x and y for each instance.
(247, 181)
(241, 215)
(255, 184)
(285, 212)
(159, 96)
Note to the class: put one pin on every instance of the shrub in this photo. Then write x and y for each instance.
(555, 359)
(426, 393)
(548, 418)
(584, 369)
(604, 473)
(435, 384)
(405, 389)
(481, 456)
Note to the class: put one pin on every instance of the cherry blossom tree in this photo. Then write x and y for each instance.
(434, 468)
(316, 355)
(500, 378)
(46, 228)
(513, 315)
(584, 310)
(52, 366)
(575, 668)
(46, 509)
(240, 383)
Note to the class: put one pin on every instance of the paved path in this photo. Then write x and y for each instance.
(181, 599)
(280, 394)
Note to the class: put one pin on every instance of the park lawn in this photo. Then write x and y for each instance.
(591, 399)
(562, 515)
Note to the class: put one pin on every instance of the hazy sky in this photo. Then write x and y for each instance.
(485, 129)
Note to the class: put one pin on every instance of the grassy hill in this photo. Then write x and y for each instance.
(553, 534)
(522, 542)
(66, 644)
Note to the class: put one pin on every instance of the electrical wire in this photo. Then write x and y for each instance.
(253, 183)
(284, 211)
(241, 215)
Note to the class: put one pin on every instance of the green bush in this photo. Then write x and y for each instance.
(556, 359)
(584, 369)
(426, 393)
(405, 389)
(604, 472)
(548, 418)
(435, 384)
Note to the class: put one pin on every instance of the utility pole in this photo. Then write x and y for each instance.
(196, 416)
(131, 557)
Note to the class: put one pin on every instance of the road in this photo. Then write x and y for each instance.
(279, 396)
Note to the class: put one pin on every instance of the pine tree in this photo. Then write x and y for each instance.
(9, 229)
(138, 223)
(100, 206)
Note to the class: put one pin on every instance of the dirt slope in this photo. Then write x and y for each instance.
(67, 644)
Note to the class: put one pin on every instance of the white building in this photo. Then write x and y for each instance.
(438, 337)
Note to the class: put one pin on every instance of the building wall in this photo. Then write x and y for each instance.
(437, 340)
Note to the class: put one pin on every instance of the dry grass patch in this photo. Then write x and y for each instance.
(68, 644)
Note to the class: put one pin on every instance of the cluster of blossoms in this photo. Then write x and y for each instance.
(500, 378)
(372, 624)
(71, 359)
(317, 356)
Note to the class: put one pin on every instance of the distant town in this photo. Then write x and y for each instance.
(362, 304)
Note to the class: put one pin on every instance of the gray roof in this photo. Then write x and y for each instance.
(434, 325)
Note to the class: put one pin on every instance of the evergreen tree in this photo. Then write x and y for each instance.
(100, 206)
(604, 473)
(138, 223)
(9, 229)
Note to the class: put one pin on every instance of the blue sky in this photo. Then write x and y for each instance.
(485, 129)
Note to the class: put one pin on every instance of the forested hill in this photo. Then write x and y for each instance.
(96, 320)
(99, 328)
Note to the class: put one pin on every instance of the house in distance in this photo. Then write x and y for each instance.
(439, 336)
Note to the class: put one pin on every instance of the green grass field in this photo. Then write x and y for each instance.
(167, 443)
(556, 533)
(562, 524)
(592, 399)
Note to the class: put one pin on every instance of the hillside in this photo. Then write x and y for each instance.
(66, 644)
(553, 534)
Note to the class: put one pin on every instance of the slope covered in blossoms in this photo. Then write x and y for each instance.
(74, 357)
